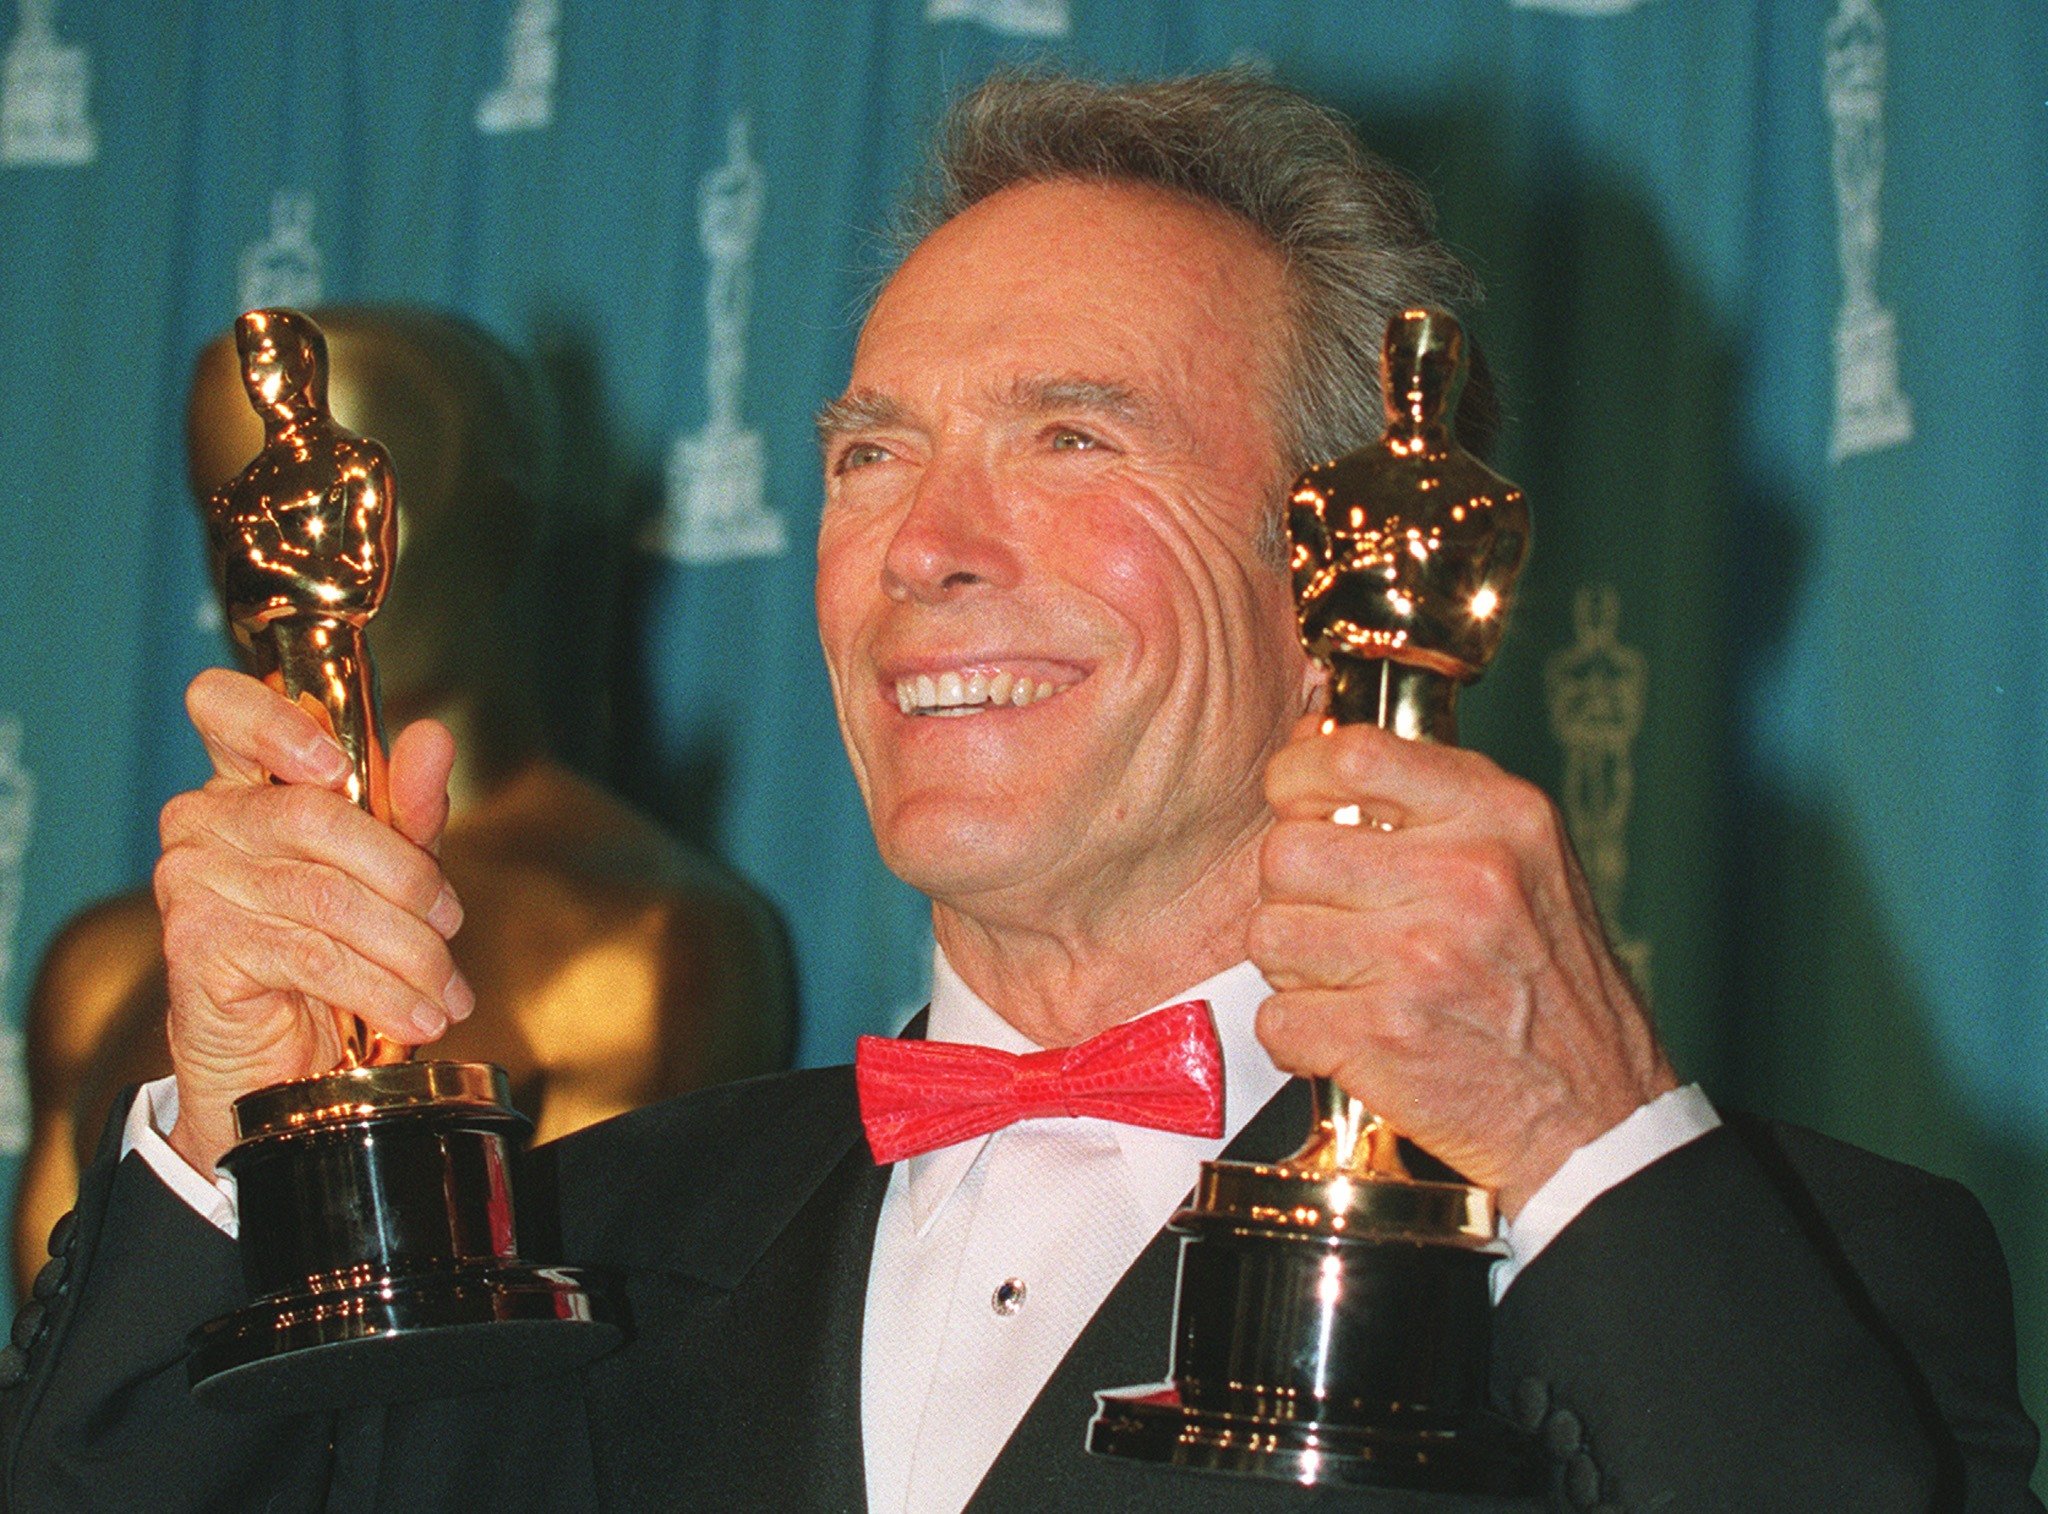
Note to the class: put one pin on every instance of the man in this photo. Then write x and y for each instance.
(1061, 645)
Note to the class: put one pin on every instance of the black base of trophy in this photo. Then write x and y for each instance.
(378, 1246)
(1324, 1358)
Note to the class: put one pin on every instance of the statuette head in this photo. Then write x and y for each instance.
(284, 364)
(1407, 549)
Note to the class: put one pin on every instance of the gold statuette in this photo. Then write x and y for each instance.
(303, 541)
(1332, 1319)
(377, 1219)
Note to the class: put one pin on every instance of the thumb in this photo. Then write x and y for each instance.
(421, 759)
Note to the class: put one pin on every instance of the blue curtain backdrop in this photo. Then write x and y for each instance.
(1766, 293)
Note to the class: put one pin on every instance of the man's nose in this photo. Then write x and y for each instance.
(955, 537)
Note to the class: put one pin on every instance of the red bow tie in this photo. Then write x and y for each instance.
(1162, 1070)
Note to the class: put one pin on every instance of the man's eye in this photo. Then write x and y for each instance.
(1067, 439)
(859, 455)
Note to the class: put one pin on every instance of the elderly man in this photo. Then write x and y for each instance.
(1063, 652)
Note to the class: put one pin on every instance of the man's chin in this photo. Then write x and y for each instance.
(953, 855)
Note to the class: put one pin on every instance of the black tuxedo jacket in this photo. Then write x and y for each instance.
(1763, 1320)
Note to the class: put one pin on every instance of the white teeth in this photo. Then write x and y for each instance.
(956, 693)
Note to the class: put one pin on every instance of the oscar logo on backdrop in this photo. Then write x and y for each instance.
(715, 509)
(1596, 689)
(17, 821)
(1871, 412)
(283, 269)
(1013, 18)
(524, 98)
(44, 90)
(613, 965)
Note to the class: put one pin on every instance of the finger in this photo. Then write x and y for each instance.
(421, 759)
(335, 981)
(243, 986)
(1348, 867)
(1310, 946)
(297, 824)
(1401, 782)
(253, 733)
(1322, 1032)
(330, 937)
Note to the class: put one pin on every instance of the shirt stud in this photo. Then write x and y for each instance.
(1008, 1297)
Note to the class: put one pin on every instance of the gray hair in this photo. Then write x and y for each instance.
(1357, 236)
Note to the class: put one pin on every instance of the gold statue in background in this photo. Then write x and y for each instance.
(613, 965)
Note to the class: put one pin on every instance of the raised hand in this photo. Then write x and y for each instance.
(283, 903)
(1443, 959)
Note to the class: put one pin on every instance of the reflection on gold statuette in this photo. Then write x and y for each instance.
(303, 541)
(377, 1232)
(616, 966)
(1332, 1320)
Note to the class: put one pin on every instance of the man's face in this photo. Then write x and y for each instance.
(1059, 658)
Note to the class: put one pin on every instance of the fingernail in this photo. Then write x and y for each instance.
(429, 1020)
(458, 996)
(446, 915)
(327, 760)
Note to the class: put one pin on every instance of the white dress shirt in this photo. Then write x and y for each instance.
(991, 1256)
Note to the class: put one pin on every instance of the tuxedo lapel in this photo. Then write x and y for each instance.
(1043, 1464)
(740, 1387)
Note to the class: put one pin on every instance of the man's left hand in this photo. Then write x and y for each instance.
(1442, 959)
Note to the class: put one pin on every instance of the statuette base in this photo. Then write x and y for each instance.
(1330, 1327)
(379, 1249)
(433, 1336)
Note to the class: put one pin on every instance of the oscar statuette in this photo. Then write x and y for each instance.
(1332, 1320)
(377, 1229)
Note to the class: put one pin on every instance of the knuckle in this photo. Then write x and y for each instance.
(201, 693)
(168, 878)
(424, 962)
(1274, 1023)
(1267, 938)
(1491, 873)
(419, 882)
(1422, 951)
(1286, 852)
(1531, 816)
(326, 899)
(304, 808)
(1486, 876)
(310, 961)
(1391, 1021)
(175, 819)
(1358, 754)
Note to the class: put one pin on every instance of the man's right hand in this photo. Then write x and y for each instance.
(283, 904)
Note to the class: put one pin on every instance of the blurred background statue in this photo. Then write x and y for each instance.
(613, 965)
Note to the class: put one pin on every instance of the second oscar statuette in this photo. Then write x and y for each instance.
(377, 1224)
(1332, 1321)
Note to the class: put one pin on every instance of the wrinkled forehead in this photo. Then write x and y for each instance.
(1076, 274)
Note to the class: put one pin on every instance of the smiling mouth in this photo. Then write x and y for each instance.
(970, 691)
